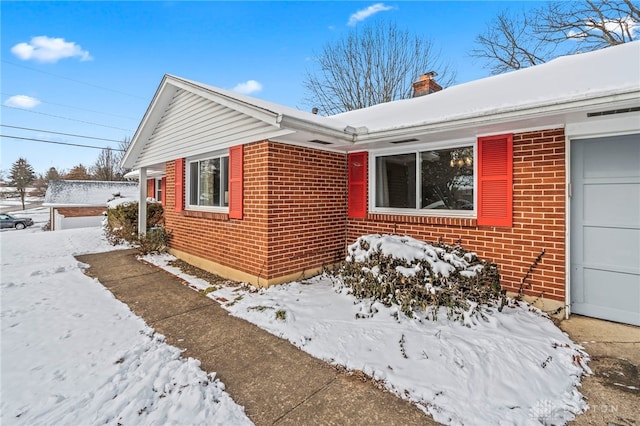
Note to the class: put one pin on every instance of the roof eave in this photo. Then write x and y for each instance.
(503, 116)
(345, 134)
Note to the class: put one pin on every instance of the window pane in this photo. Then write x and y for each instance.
(215, 181)
(396, 181)
(225, 181)
(193, 183)
(447, 179)
(207, 195)
(159, 190)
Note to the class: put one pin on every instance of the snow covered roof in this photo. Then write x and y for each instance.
(277, 109)
(83, 193)
(567, 79)
(559, 93)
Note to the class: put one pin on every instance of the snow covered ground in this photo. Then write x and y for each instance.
(15, 202)
(516, 367)
(72, 354)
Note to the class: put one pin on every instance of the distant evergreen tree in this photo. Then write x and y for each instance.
(52, 174)
(21, 175)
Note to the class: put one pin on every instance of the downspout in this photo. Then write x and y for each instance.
(142, 204)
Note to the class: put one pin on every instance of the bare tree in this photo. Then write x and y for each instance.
(515, 40)
(122, 150)
(375, 64)
(105, 166)
(108, 165)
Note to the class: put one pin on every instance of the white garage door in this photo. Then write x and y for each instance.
(605, 228)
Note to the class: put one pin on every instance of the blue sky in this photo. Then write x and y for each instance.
(91, 68)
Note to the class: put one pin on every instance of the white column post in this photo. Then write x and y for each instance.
(142, 204)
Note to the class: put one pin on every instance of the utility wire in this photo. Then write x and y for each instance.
(66, 118)
(78, 108)
(61, 143)
(60, 133)
(73, 79)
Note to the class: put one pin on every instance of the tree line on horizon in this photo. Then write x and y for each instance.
(106, 168)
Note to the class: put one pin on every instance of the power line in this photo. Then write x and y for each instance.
(66, 118)
(78, 108)
(60, 133)
(72, 79)
(61, 143)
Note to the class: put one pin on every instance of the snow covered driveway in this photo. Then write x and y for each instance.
(73, 354)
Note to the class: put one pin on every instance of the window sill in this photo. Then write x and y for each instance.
(206, 215)
(423, 220)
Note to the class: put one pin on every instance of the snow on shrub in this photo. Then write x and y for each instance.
(414, 275)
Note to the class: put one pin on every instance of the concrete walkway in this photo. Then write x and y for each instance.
(276, 382)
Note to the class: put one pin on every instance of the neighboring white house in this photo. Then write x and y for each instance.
(80, 203)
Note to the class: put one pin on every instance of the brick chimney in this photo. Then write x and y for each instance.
(426, 84)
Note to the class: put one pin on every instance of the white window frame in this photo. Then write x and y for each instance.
(416, 149)
(209, 156)
(159, 190)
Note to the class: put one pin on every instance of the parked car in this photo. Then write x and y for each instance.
(8, 221)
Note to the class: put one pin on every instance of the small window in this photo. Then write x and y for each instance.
(209, 182)
(159, 189)
(441, 179)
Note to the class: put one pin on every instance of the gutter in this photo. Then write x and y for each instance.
(346, 134)
(498, 117)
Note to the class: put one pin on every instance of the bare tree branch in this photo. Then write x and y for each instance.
(372, 65)
(517, 40)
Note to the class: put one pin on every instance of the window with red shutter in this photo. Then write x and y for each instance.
(357, 184)
(236, 182)
(179, 184)
(495, 180)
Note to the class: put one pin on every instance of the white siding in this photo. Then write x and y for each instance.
(192, 125)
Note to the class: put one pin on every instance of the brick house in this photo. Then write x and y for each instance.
(541, 160)
(80, 203)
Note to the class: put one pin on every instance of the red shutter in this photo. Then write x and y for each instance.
(357, 181)
(235, 182)
(495, 180)
(179, 185)
(151, 188)
(163, 188)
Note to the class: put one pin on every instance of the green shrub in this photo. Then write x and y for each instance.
(122, 226)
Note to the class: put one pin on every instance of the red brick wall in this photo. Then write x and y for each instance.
(81, 211)
(239, 244)
(307, 208)
(294, 214)
(538, 220)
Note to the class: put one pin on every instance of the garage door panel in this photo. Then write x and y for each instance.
(613, 248)
(615, 204)
(606, 286)
(605, 228)
(603, 160)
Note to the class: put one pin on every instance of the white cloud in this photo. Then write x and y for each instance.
(248, 87)
(615, 26)
(22, 101)
(47, 49)
(363, 14)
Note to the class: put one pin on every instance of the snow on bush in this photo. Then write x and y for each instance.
(413, 274)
